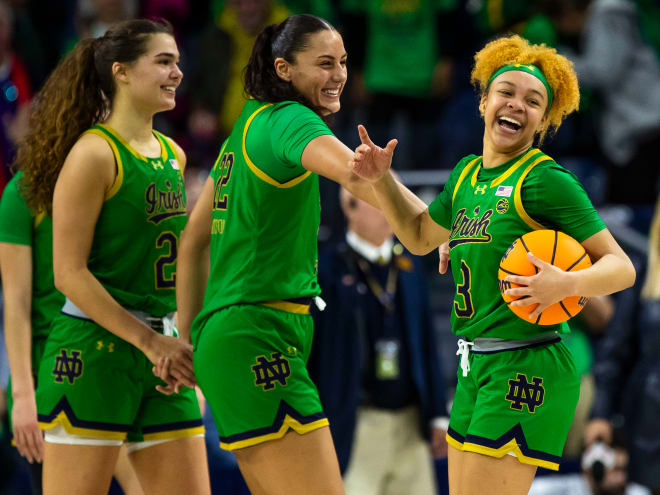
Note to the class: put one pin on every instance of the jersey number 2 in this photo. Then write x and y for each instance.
(166, 280)
(224, 173)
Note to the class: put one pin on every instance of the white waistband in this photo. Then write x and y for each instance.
(167, 321)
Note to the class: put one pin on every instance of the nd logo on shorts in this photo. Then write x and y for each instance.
(268, 372)
(523, 392)
(67, 366)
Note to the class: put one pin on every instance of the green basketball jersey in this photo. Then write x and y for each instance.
(19, 226)
(486, 210)
(136, 237)
(266, 209)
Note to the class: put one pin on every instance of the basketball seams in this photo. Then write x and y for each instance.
(561, 303)
(556, 253)
(577, 262)
(510, 272)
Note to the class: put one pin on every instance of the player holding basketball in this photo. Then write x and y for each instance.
(517, 386)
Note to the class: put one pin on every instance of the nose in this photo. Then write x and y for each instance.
(339, 74)
(514, 104)
(177, 73)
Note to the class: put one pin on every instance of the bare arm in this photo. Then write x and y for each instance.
(193, 261)
(16, 268)
(406, 213)
(87, 174)
(328, 156)
(612, 271)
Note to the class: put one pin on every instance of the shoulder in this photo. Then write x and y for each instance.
(293, 109)
(91, 155)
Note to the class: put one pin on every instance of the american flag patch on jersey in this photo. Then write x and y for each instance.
(174, 163)
(504, 191)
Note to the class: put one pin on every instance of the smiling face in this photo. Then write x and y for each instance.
(319, 71)
(514, 111)
(151, 81)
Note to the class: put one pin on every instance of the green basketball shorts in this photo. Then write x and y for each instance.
(519, 401)
(250, 362)
(95, 384)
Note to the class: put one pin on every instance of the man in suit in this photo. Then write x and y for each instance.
(375, 360)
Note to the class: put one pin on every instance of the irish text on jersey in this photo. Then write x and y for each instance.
(163, 203)
(472, 229)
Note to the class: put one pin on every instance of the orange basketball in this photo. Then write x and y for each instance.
(553, 247)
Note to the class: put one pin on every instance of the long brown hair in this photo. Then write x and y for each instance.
(77, 95)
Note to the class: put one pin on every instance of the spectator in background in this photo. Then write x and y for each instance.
(96, 16)
(627, 371)
(624, 72)
(402, 58)
(375, 359)
(15, 95)
(223, 52)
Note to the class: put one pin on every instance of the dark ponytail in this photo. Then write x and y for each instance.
(284, 40)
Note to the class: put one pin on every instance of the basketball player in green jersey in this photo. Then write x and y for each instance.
(30, 304)
(116, 191)
(259, 214)
(517, 386)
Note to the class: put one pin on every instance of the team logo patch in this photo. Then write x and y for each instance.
(69, 367)
(502, 206)
(523, 392)
(175, 164)
(504, 191)
(268, 372)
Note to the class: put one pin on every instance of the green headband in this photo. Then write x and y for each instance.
(530, 69)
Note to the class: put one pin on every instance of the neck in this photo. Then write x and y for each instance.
(132, 124)
(493, 158)
(375, 239)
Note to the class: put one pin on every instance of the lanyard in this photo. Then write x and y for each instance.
(384, 295)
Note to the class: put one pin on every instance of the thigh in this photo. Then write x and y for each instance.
(294, 464)
(90, 381)
(78, 469)
(495, 476)
(173, 467)
(250, 363)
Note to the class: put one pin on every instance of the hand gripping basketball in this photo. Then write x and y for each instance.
(530, 274)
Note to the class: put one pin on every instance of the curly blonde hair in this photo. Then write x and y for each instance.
(558, 71)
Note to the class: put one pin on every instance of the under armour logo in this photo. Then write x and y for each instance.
(521, 391)
(480, 189)
(67, 366)
(267, 372)
(156, 165)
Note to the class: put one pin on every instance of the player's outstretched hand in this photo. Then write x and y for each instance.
(371, 162)
(548, 286)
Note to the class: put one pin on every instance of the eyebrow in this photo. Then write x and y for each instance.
(166, 54)
(532, 90)
(331, 56)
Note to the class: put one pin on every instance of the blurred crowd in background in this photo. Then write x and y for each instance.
(409, 65)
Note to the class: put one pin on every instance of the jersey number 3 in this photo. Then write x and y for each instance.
(466, 310)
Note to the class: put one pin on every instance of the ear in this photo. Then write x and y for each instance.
(283, 69)
(119, 71)
(482, 104)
